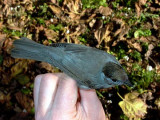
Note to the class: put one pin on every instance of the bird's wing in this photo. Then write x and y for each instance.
(83, 61)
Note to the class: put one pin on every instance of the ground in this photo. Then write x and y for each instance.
(130, 30)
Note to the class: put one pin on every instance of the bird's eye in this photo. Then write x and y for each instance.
(114, 80)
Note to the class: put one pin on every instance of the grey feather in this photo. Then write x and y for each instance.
(90, 67)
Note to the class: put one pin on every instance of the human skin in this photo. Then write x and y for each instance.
(57, 97)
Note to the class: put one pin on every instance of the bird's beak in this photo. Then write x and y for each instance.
(128, 83)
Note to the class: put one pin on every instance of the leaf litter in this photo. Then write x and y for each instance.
(132, 29)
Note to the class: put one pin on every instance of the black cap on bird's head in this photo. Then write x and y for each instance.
(116, 73)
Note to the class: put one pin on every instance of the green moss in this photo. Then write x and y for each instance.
(26, 91)
(138, 33)
(83, 40)
(141, 78)
(136, 55)
(56, 27)
(1, 59)
(93, 3)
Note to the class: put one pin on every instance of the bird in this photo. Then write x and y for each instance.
(90, 67)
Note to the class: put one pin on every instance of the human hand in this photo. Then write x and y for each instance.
(57, 97)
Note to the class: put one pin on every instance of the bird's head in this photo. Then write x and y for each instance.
(115, 74)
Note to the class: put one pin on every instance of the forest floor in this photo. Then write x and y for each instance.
(127, 29)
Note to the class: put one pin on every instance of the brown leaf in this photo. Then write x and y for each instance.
(24, 101)
(134, 45)
(4, 98)
(138, 10)
(142, 2)
(102, 34)
(2, 39)
(54, 2)
(56, 10)
(19, 67)
(20, 116)
(48, 67)
(149, 52)
(105, 11)
(14, 27)
(98, 25)
(73, 5)
(137, 46)
(8, 45)
(1, 23)
(156, 23)
(50, 34)
(91, 24)
(157, 102)
(144, 39)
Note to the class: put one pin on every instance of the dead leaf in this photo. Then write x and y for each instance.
(147, 96)
(56, 10)
(138, 10)
(2, 39)
(142, 2)
(149, 52)
(91, 24)
(20, 66)
(54, 2)
(73, 5)
(14, 27)
(98, 25)
(157, 102)
(24, 101)
(48, 67)
(19, 115)
(156, 23)
(123, 30)
(51, 35)
(102, 34)
(4, 97)
(8, 44)
(133, 107)
(105, 11)
(144, 39)
(1, 23)
(137, 46)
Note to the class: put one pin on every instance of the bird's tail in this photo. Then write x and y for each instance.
(28, 49)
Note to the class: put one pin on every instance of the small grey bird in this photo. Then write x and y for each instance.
(90, 67)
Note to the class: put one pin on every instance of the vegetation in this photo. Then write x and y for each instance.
(128, 29)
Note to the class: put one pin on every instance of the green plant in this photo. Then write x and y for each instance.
(1, 59)
(136, 55)
(60, 1)
(129, 3)
(56, 27)
(16, 33)
(138, 33)
(121, 50)
(83, 40)
(12, 32)
(124, 117)
(115, 4)
(26, 91)
(93, 3)
(43, 9)
(41, 21)
(141, 77)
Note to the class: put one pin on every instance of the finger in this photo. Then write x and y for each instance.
(36, 89)
(91, 103)
(66, 96)
(48, 86)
